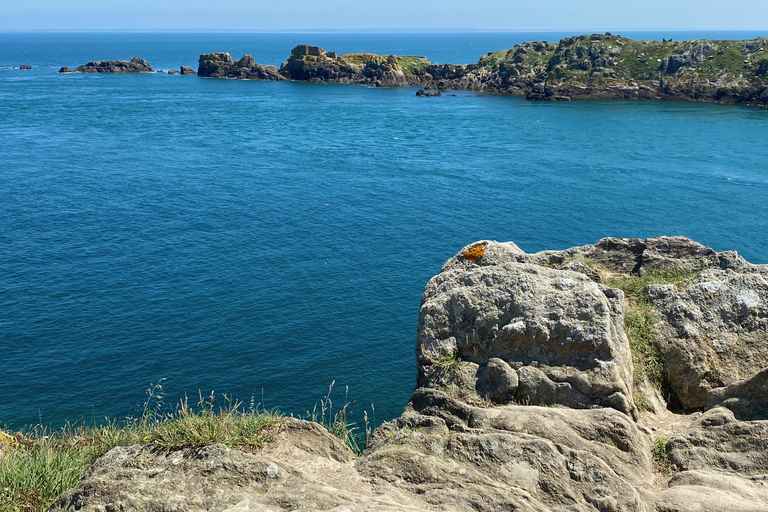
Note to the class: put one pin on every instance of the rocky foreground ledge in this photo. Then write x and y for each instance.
(588, 66)
(546, 382)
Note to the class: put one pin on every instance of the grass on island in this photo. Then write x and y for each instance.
(39, 464)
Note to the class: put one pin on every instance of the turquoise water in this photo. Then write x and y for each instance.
(265, 239)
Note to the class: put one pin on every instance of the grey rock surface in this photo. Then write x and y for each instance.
(747, 399)
(559, 330)
(135, 65)
(221, 65)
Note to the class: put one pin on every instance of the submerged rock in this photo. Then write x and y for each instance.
(25, 66)
(135, 65)
(428, 93)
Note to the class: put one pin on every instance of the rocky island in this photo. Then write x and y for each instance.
(628, 375)
(587, 66)
(135, 65)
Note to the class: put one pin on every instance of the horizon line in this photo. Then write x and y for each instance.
(456, 30)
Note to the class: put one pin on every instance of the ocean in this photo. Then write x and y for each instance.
(263, 240)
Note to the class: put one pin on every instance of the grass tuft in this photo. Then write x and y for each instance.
(340, 423)
(451, 363)
(38, 465)
(660, 455)
(639, 318)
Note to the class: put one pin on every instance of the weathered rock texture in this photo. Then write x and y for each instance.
(135, 65)
(220, 65)
(588, 66)
(524, 333)
(524, 401)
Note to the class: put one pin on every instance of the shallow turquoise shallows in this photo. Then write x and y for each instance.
(265, 239)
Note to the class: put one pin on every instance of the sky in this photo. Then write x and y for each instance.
(260, 15)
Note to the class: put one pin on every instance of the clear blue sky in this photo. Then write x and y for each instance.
(529, 15)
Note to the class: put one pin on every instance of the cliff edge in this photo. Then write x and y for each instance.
(628, 375)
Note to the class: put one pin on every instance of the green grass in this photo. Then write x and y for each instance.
(339, 423)
(450, 363)
(639, 318)
(411, 63)
(660, 455)
(38, 465)
(640, 402)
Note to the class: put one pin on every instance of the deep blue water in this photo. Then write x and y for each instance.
(264, 239)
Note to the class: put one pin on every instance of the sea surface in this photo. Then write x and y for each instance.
(264, 240)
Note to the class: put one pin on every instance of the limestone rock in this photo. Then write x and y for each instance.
(559, 330)
(718, 441)
(714, 332)
(135, 65)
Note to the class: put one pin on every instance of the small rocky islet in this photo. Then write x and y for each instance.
(601, 66)
(538, 389)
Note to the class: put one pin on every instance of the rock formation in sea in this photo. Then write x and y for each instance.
(221, 65)
(628, 375)
(64, 69)
(588, 66)
(186, 70)
(25, 66)
(135, 65)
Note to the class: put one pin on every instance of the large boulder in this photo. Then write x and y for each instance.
(558, 331)
(714, 332)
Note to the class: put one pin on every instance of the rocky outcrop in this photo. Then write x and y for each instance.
(221, 65)
(746, 398)
(525, 400)
(312, 63)
(25, 66)
(135, 65)
(186, 70)
(65, 70)
(498, 317)
(173, 71)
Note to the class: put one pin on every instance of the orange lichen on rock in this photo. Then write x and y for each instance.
(474, 253)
